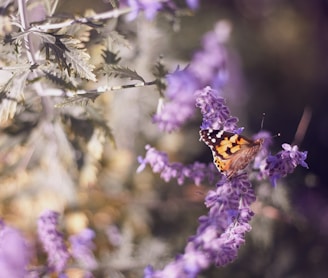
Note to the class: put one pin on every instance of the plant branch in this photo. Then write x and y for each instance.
(101, 16)
(25, 25)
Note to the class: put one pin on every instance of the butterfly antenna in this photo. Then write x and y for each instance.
(276, 135)
(262, 121)
(303, 126)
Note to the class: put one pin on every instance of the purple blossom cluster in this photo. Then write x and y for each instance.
(215, 112)
(283, 163)
(52, 241)
(152, 7)
(81, 248)
(180, 101)
(159, 162)
(220, 233)
(208, 67)
(14, 253)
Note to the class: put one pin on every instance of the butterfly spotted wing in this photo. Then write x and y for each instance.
(231, 152)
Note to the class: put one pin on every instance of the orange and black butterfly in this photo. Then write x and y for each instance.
(231, 152)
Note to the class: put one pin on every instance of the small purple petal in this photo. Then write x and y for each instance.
(114, 235)
(82, 246)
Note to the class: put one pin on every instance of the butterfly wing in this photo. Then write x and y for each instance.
(231, 152)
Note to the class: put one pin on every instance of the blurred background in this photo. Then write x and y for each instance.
(279, 65)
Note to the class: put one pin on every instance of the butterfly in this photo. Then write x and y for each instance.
(231, 152)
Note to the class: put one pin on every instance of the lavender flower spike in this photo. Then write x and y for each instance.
(52, 241)
(216, 114)
(283, 163)
(14, 254)
(159, 163)
(81, 246)
(180, 104)
(220, 233)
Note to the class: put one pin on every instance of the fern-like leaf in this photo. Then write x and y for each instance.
(81, 100)
(123, 72)
(11, 94)
(79, 60)
(110, 57)
(160, 72)
(60, 81)
(98, 120)
(116, 39)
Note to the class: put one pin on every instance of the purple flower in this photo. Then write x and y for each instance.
(216, 114)
(220, 233)
(82, 246)
(193, 4)
(159, 163)
(114, 235)
(52, 241)
(283, 163)
(14, 253)
(180, 101)
(150, 7)
(264, 151)
(209, 66)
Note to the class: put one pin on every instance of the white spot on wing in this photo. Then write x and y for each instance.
(219, 134)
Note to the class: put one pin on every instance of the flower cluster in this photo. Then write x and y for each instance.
(159, 162)
(180, 101)
(215, 112)
(208, 66)
(220, 233)
(152, 7)
(81, 248)
(283, 163)
(52, 241)
(14, 254)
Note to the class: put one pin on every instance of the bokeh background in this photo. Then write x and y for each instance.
(279, 66)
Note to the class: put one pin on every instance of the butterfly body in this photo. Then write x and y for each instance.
(231, 152)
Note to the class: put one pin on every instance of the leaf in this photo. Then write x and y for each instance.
(123, 72)
(80, 32)
(61, 81)
(160, 72)
(79, 60)
(11, 50)
(110, 57)
(81, 100)
(11, 94)
(54, 46)
(98, 119)
(68, 55)
(115, 38)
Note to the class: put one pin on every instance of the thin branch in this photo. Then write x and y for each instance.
(101, 16)
(24, 23)
(47, 107)
(303, 126)
(103, 89)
